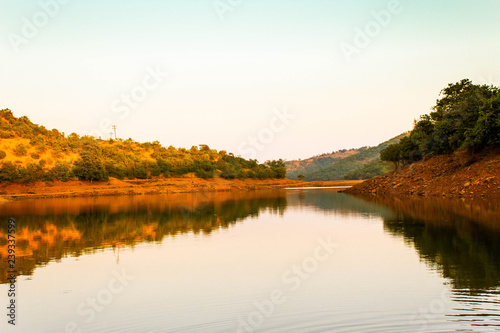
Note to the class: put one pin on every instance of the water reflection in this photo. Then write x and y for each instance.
(54, 228)
(459, 239)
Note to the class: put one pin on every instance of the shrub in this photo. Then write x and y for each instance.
(90, 166)
(2, 154)
(20, 150)
(61, 172)
(9, 172)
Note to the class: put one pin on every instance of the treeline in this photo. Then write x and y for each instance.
(467, 116)
(29, 152)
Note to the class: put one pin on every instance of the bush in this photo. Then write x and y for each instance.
(90, 166)
(20, 150)
(2, 154)
(9, 172)
(35, 156)
(61, 172)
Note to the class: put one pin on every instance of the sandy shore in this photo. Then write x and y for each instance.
(57, 189)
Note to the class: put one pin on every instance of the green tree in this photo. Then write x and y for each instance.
(9, 172)
(467, 116)
(61, 172)
(90, 166)
(20, 150)
(278, 168)
(392, 154)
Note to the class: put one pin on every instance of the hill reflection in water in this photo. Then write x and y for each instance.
(459, 238)
(51, 229)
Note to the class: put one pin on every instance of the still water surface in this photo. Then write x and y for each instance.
(265, 261)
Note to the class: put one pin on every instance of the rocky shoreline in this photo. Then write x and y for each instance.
(460, 174)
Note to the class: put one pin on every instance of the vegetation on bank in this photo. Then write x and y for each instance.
(467, 116)
(30, 152)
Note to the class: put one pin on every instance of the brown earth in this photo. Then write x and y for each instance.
(458, 174)
(57, 189)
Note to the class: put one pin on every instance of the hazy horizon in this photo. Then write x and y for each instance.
(260, 79)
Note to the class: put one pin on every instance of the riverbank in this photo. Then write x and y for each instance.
(460, 174)
(160, 185)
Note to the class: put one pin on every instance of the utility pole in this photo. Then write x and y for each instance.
(114, 128)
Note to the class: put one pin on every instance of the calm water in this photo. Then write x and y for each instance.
(267, 261)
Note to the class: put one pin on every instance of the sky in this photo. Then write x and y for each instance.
(262, 79)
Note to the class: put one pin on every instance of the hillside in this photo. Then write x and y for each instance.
(362, 164)
(454, 174)
(298, 167)
(29, 153)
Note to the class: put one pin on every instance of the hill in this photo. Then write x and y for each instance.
(30, 152)
(301, 167)
(360, 163)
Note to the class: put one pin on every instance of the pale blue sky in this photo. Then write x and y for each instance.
(227, 76)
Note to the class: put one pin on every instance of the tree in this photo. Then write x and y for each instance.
(90, 166)
(20, 150)
(61, 172)
(278, 168)
(392, 154)
(467, 116)
(9, 172)
(486, 131)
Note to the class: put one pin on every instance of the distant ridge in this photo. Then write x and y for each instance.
(361, 163)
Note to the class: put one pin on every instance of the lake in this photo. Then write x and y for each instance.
(265, 261)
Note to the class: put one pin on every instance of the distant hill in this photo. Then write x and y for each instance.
(30, 152)
(297, 167)
(361, 163)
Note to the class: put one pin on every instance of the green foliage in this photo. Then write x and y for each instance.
(278, 168)
(90, 166)
(9, 172)
(230, 168)
(373, 169)
(466, 117)
(312, 164)
(345, 167)
(62, 172)
(391, 154)
(20, 150)
(2, 154)
(35, 156)
(204, 169)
